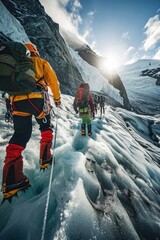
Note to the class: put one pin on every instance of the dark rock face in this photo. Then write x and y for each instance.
(93, 59)
(44, 33)
(4, 38)
(153, 73)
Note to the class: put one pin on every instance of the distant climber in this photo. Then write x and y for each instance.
(23, 108)
(102, 104)
(83, 104)
(95, 102)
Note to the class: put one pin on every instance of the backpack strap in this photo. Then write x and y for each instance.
(42, 78)
(41, 86)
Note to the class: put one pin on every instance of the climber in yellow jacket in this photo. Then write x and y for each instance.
(23, 107)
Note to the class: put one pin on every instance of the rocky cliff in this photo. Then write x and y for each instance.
(153, 73)
(44, 33)
(40, 29)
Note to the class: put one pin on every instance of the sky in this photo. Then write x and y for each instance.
(123, 31)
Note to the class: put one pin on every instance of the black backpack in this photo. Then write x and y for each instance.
(17, 75)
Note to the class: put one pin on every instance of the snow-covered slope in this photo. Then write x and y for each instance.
(103, 187)
(95, 79)
(11, 27)
(143, 93)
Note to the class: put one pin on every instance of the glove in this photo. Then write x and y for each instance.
(58, 104)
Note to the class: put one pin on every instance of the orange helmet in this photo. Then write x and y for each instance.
(32, 48)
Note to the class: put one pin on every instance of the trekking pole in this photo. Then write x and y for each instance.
(50, 181)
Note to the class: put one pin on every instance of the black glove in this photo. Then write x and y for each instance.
(58, 104)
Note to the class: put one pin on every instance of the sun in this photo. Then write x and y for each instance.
(111, 63)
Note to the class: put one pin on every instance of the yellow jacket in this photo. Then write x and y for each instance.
(45, 76)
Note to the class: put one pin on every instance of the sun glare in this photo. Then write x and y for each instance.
(111, 64)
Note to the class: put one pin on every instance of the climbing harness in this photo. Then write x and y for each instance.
(50, 181)
(47, 104)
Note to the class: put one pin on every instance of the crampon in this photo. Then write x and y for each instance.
(10, 191)
(44, 163)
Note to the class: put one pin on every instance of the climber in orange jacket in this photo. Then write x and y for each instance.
(23, 107)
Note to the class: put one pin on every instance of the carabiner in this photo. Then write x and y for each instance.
(44, 120)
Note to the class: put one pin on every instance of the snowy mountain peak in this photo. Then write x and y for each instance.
(142, 85)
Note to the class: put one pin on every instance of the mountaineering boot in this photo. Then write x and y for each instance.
(46, 157)
(13, 164)
(83, 132)
(89, 130)
(11, 190)
(13, 178)
(83, 129)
